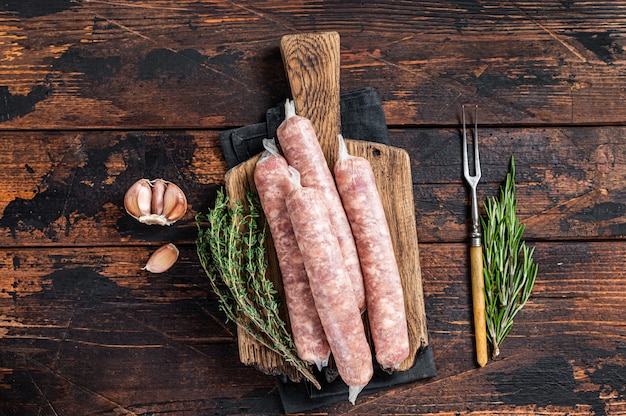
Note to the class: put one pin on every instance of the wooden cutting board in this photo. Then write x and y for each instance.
(312, 65)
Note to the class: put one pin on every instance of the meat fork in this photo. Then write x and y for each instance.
(476, 252)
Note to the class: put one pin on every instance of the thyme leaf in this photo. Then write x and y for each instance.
(509, 269)
(230, 246)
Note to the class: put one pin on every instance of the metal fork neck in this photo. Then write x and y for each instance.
(475, 234)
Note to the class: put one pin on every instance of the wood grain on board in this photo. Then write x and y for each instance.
(393, 178)
(312, 65)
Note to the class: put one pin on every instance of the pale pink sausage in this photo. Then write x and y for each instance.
(301, 148)
(271, 177)
(383, 286)
(331, 288)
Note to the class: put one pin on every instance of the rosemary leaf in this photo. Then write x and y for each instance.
(509, 269)
(230, 246)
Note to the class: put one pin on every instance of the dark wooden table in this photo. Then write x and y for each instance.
(97, 94)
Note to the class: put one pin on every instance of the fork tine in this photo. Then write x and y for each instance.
(465, 161)
(476, 157)
(471, 178)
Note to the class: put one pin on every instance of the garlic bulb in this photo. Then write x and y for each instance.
(155, 202)
(162, 259)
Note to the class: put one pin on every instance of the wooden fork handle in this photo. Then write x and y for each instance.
(478, 303)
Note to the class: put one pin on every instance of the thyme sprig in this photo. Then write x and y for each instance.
(509, 269)
(230, 247)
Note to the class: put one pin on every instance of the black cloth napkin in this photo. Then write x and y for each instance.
(362, 118)
(303, 396)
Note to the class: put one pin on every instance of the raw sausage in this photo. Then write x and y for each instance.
(383, 286)
(273, 184)
(299, 144)
(331, 287)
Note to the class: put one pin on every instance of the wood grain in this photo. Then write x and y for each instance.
(99, 64)
(312, 64)
(67, 187)
(85, 331)
(477, 280)
(94, 95)
(90, 331)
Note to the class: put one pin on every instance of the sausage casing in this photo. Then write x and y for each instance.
(383, 286)
(331, 288)
(301, 148)
(271, 177)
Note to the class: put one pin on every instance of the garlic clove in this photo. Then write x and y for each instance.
(162, 259)
(138, 199)
(158, 190)
(175, 203)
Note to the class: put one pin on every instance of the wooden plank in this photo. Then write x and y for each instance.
(84, 330)
(207, 64)
(312, 64)
(569, 180)
(67, 187)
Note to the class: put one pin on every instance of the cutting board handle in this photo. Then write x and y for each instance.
(312, 63)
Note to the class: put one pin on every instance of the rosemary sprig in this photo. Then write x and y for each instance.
(509, 269)
(231, 251)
